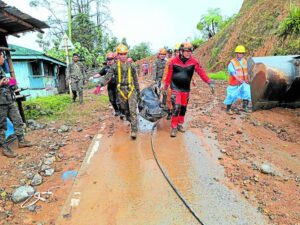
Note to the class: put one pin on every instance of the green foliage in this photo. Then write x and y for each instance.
(209, 23)
(227, 22)
(139, 51)
(291, 24)
(197, 42)
(46, 106)
(221, 75)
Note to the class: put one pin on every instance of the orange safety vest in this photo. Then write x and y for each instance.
(241, 72)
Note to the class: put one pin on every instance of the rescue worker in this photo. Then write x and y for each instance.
(76, 77)
(170, 53)
(127, 85)
(10, 110)
(179, 77)
(145, 68)
(159, 67)
(166, 101)
(239, 87)
(130, 60)
(112, 84)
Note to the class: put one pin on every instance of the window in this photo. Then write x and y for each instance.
(48, 69)
(36, 68)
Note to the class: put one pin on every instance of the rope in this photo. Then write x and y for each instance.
(37, 197)
(170, 182)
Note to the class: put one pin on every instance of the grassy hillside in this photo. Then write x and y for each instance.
(258, 27)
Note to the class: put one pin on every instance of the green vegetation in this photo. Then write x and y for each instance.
(197, 42)
(221, 75)
(46, 106)
(55, 107)
(290, 26)
(139, 51)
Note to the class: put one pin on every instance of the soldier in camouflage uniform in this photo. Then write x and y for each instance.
(127, 85)
(76, 77)
(159, 67)
(8, 109)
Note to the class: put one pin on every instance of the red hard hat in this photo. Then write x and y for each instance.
(110, 56)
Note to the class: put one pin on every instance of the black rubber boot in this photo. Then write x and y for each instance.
(8, 152)
(81, 97)
(169, 116)
(133, 134)
(23, 143)
(245, 105)
(74, 95)
(229, 110)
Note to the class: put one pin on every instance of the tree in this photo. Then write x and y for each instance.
(210, 23)
(89, 23)
(140, 51)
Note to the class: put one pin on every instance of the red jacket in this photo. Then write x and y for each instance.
(180, 74)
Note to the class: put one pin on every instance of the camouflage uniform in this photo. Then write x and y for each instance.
(158, 71)
(76, 73)
(128, 106)
(10, 110)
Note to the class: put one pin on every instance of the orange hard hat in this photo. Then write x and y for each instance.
(110, 55)
(130, 60)
(122, 49)
(186, 46)
(162, 51)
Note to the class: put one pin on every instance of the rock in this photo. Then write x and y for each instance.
(60, 155)
(31, 122)
(45, 167)
(223, 151)
(266, 168)
(49, 161)
(64, 128)
(22, 193)
(3, 194)
(54, 147)
(23, 181)
(79, 129)
(239, 132)
(49, 172)
(36, 180)
(29, 175)
(32, 208)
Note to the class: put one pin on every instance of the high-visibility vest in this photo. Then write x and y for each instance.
(129, 77)
(241, 72)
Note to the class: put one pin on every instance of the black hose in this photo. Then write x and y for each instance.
(170, 182)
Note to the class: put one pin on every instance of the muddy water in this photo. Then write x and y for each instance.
(120, 183)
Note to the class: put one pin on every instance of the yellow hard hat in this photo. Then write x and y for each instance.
(177, 46)
(240, 49)
(122, 49)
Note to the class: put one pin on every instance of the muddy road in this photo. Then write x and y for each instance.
(216, 165)
(120, 182)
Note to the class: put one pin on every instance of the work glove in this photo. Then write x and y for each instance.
(212, 86)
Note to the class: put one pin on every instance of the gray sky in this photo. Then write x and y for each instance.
(159, 22)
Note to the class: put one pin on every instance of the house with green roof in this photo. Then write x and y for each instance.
(41, 74)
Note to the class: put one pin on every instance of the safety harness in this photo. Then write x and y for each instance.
(131, 87)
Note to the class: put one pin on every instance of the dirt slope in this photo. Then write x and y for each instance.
(256, 27)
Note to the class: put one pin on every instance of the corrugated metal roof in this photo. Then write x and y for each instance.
(26, 53)
(13, 21)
